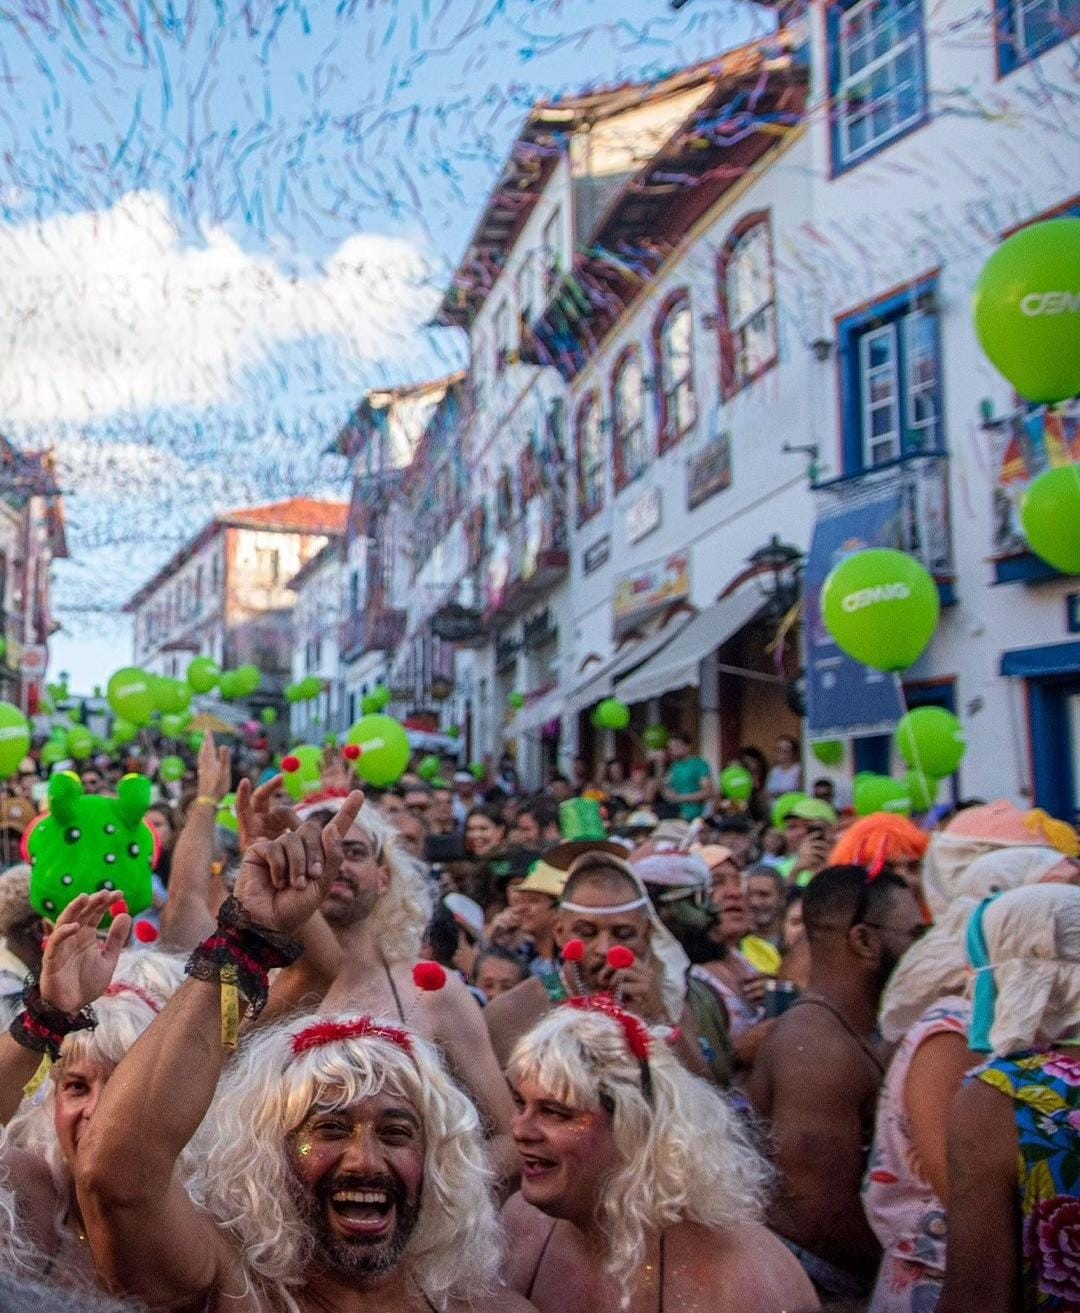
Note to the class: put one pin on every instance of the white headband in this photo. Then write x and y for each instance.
(615, 910)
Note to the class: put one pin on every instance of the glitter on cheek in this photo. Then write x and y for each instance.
(303, 1148)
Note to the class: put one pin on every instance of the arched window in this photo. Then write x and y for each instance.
(590, 458)
(747, 304)
(673, 343)
(629, 440)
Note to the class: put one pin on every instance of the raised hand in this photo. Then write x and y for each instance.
(78, 965)
(255, 816)
(213, 770)
(282, 881)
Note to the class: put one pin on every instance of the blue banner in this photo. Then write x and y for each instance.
(843, 697)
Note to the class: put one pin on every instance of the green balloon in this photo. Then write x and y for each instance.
(1050, 514)
(310, 688)
(783, 805)
(370, 705)
(330, 740)
(123, 731)
(172, 769)
(881, 793)
(229, 686)
(922, 789)
(428, 768)
(381, 694)
(292, 693)
(737, 783)
(80, 743)
(384, 749)
(54, 751)
(830, 752)
(269, 715)
(516, 700)
(131, 695)
(881, 607)
(477, 770)
(3, 648)
(655, 738)
(611, 714)
(195, 741)
(248, 678)
(1025, 310)
(931, 741)
(14, 739)
(302, 768)
(173, 726)
(172, 696)
(202, 674)
(226, 814)
(454, 732)
(75, 715)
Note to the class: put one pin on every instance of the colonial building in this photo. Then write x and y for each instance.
(720, 333)
(225, 594)
(316, 645)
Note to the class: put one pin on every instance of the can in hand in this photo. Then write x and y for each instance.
(779, 996)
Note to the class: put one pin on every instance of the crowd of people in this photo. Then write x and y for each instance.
(615, 1046)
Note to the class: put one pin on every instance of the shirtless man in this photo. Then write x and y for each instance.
(341, 1168)
(640, 1191)
(817, 1075)
(604, 905)
(377, 909)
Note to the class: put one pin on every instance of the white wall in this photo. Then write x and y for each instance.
(182, 614)
(316, 649)
(994, 154)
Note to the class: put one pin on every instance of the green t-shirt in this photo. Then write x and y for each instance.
(689, 776)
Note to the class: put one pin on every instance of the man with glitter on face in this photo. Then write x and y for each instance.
(342, 1168)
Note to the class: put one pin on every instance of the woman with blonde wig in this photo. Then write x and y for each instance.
(640, 1190)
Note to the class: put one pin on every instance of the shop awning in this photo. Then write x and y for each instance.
(678, 664)
(601, 684)
(537, 712)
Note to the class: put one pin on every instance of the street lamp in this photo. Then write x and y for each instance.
(784, 563)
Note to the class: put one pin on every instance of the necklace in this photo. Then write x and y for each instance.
(834, 1011)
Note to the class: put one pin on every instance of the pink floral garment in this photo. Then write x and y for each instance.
(1045, 1090)
(903, 1211)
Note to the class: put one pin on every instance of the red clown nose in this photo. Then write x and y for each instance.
(351, 753)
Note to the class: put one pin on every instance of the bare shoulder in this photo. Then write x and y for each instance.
(527, 1230)
(513, 1014)
(503, 1301)
(749, 1269)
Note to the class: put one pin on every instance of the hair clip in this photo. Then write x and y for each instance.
(635, 1032)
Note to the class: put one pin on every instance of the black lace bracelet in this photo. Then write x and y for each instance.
(42, 1027)
(240, 954)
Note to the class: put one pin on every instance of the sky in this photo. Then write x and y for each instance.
(220, 223)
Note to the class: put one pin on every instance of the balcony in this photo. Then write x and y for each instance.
(528, 559)
(377, 629)
(903, 503)
(1023, 445)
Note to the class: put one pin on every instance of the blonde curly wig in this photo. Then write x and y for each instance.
(454, 1253)
(402, 913)
(683, 1156)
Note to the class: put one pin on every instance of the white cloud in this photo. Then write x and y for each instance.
(110, 312)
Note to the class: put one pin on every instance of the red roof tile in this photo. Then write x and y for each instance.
(297, 515)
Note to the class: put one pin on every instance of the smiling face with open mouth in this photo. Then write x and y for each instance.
(567, 1153)
(359, 1173)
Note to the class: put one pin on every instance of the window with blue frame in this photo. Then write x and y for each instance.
(1026, 28)
(877, 75)
(891, 380)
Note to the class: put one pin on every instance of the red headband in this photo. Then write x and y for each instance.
(333, 1032)
(638, 1039)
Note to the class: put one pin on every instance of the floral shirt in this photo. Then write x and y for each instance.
(1045, 1089)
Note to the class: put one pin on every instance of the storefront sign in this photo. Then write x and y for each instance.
(1072, 613)
(643, 515)
(709, 471)
(844, 697)
(644, 592)
(597, 555)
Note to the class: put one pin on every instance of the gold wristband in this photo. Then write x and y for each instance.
(205, 797)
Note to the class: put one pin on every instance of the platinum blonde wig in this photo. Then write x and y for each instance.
(18, 1254)
(401, 915)
(682, 1156)
(122, 1018)
(267, 1092)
